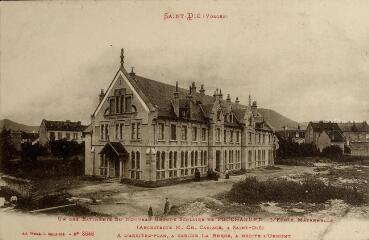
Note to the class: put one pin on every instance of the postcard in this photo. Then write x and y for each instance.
(184, 120)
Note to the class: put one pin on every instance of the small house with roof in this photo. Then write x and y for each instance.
(357, 137)
(57, 130)
(324, 134)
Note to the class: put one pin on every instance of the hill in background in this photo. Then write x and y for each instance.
(277, 120)
(9, 124)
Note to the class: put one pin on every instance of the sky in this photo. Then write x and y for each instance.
(308, 60)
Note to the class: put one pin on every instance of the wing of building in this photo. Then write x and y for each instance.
(357, 137)
(146, 131)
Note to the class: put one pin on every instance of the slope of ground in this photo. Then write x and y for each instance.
(277, 120)
(9, 124)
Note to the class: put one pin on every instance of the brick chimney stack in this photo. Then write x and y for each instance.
(228, 98)
(237, 101)
(202, 90)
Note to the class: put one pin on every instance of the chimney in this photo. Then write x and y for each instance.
(228, 98)
(237, 101)
(122, 58)
(176, 101)
(202, 90)
(254, 108)
(101, 95)
(220, 94)
(132, 73)
(193, 88)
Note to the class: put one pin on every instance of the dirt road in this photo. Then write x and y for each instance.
(122, 199)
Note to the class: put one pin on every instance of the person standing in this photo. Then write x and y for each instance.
(150, 213)
(166, 206)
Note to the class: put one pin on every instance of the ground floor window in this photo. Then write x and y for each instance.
(135, 165)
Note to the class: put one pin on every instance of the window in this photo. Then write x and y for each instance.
(170, 159)
(184, 133)
(263, 138)
(182, 159)
(192, 158)
(250, 138)
(162, 160)
(231, 140)
(121, 126)
(117, 105)
(112, 106)
(133, 161)
(128, 102)
(219, 115)
(104, 131)
(194, 133)
(225, 136)
(135, 165)
(237, 136)
(52, 136)
(161, 131)
(173, 132)
(203, 134)
(175, 160)
(133, 131)
(218, 134)
(60, 135)
(67, 136)
(122, 104)
(259, 138)
(116, 131)
(136, 131)
(75, 136)
(196, 159)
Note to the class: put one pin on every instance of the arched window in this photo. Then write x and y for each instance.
(192, 156)
(182, 159)
(201, 158)
(133, 160)
(205, 158)
(158, 160)
(170, 159)
(186, 159)
(175, 160)
(138, 162)
(196, 158)
(162, 160)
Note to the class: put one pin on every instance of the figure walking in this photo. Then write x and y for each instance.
(150, 213)
(166, 206)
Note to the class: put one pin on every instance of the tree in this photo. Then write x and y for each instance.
(7, 148)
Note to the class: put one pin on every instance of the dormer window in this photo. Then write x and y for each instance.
(219, 114)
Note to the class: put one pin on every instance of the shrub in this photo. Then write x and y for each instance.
(332, 152)
(289, 149)
(252, 191)
(64, 148)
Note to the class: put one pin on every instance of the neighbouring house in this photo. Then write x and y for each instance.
(16, 138)
(28, 137)
(296, 135)
(56, 130)
(146, 131)
(357, 137)
(324, 134)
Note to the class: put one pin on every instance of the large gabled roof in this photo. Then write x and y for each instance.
(321, 126)
(354, 127)
(64, 126)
